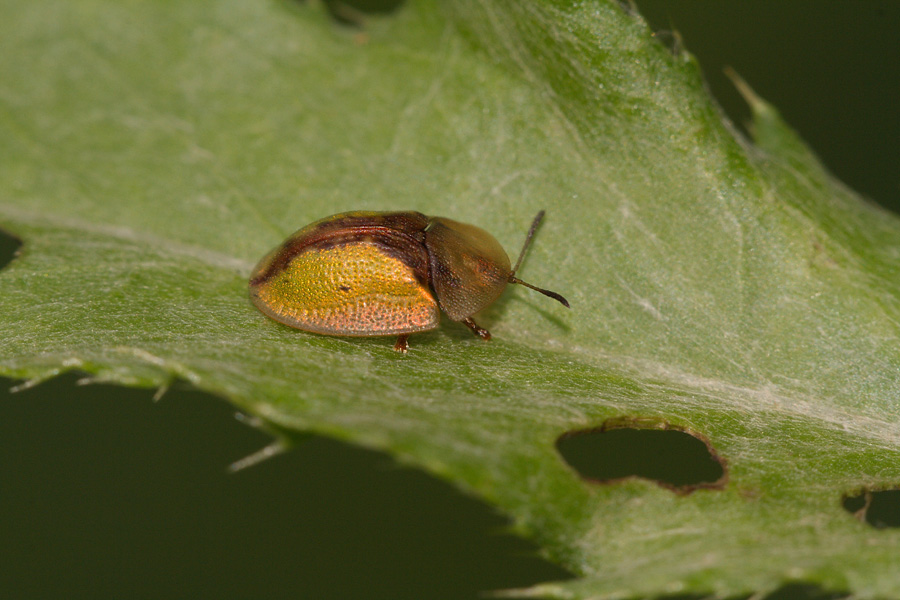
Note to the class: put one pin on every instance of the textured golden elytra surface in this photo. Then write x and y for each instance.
(351, 289)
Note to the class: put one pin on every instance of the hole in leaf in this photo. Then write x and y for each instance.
(671, 40)
(804, 591)
(624, 448)
(9, 248)
(354, 12)
(878, 508)
(628, 7)
(373, 7)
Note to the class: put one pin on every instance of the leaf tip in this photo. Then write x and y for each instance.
(759, 106)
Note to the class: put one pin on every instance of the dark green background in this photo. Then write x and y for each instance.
(106, 494)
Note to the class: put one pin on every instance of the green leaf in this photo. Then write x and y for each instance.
(153, 151)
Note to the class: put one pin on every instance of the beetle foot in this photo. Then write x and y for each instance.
(402, 344)
(477, 329)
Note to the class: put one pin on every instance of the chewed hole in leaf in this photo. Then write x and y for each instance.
(671, 40)
(355, 12)
(625, 448)
(878, 508)
(9, 248)
(804, 591)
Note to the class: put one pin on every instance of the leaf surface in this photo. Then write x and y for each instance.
(152, 152)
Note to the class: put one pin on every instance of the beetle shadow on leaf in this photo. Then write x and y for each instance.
(456, 331)
(351, 346)
(496, 313)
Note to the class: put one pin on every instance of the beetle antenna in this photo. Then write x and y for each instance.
(554, 295)
(512, 276)
(534, 225)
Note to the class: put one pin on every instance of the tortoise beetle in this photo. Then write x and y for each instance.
(385, 273)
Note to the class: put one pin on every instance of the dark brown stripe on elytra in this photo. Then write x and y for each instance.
(411, 222)
(400, 235)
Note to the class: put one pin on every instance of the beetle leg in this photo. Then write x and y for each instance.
(402, 344)
(476, 329)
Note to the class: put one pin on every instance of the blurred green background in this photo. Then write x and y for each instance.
(107, 494)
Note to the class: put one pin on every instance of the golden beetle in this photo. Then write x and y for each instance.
(384, 273)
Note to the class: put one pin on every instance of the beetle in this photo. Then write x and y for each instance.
(371, 274)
